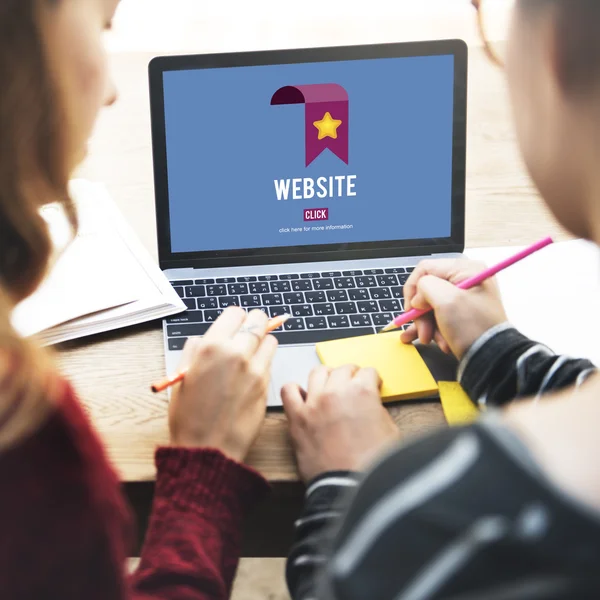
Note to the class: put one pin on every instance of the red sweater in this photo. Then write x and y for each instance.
(65, 529)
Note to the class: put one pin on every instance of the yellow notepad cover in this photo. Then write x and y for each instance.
(458, 407)
(404, 373)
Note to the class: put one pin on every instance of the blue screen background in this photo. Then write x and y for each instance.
(226, 145)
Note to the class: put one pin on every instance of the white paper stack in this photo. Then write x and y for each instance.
(103, 280)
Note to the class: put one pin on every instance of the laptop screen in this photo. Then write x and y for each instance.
(309, 154)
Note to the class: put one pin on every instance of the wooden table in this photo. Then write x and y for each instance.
(112, 371)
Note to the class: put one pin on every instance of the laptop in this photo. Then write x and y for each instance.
(307, 181)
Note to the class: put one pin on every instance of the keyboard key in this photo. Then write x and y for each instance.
(390, 305)
(268, 278)
(388, 280)
(402, 279)
(289, 277)
(331, 274)
(177, 343)
(380, 293)
(352, 273)
(398, 292)
(263, 308)
(323, 284)
(226, 280)
(216, 290)
(302, 310)
(309, 275)
(360, 321)
(382, 319)
(246, 279)
(193, 291)
(237, 289)
(396, 270)
(338, 322)
(359, 294)
(212, 315)
(313, 297)
(190, 303)
(363, 282)
(280, 286)
(182, 283)
(324, 309)
(337, 296)
(294, 298)
(225, 301)
(313, 336)
(410, 269)
(209, 302)
(276, 311)
(304, 285)
(187, 330)
(368, 307)
(204, 281)
(180, 292)
(316, 323)
(191, 316)
(373, 271)
(343, 283)
(251, 301)
(346, 308)
(272, 299)
(294, 325)
(262, 287)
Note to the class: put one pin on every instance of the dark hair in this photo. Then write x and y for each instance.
(578, 39)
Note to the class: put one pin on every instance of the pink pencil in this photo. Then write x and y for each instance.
(413, 314)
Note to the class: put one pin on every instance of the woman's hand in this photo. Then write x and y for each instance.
(339, 424)
(460, 316)
(222, 401)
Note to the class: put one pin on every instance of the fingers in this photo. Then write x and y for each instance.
(452, 270)
(251, 334)
(293, 402)
(227, 325)
(263, 357)
(412, 334)
(436, 293)
(409, 335)
(316, 380)
(442, 343)
(425, 329)
(369, 377)
(189, 352)
(341, 376)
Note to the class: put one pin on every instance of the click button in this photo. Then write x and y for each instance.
(316, 214)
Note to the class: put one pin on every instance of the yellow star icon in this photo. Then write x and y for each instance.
(327, 126)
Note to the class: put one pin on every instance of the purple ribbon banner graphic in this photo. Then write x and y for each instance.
(326, 116)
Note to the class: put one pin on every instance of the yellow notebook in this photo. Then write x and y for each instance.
(404, 373)
(458, 407)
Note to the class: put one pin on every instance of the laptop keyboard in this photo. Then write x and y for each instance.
(323, 305)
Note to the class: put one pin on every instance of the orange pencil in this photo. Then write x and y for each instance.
(274, 324)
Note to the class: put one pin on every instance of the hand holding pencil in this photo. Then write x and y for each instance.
(223, 399)
(459, 316)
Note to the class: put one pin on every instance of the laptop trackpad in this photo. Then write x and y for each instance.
(292, 364)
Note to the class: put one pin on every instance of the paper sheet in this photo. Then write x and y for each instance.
(553, 296)
(104, 279)
(95, 272)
